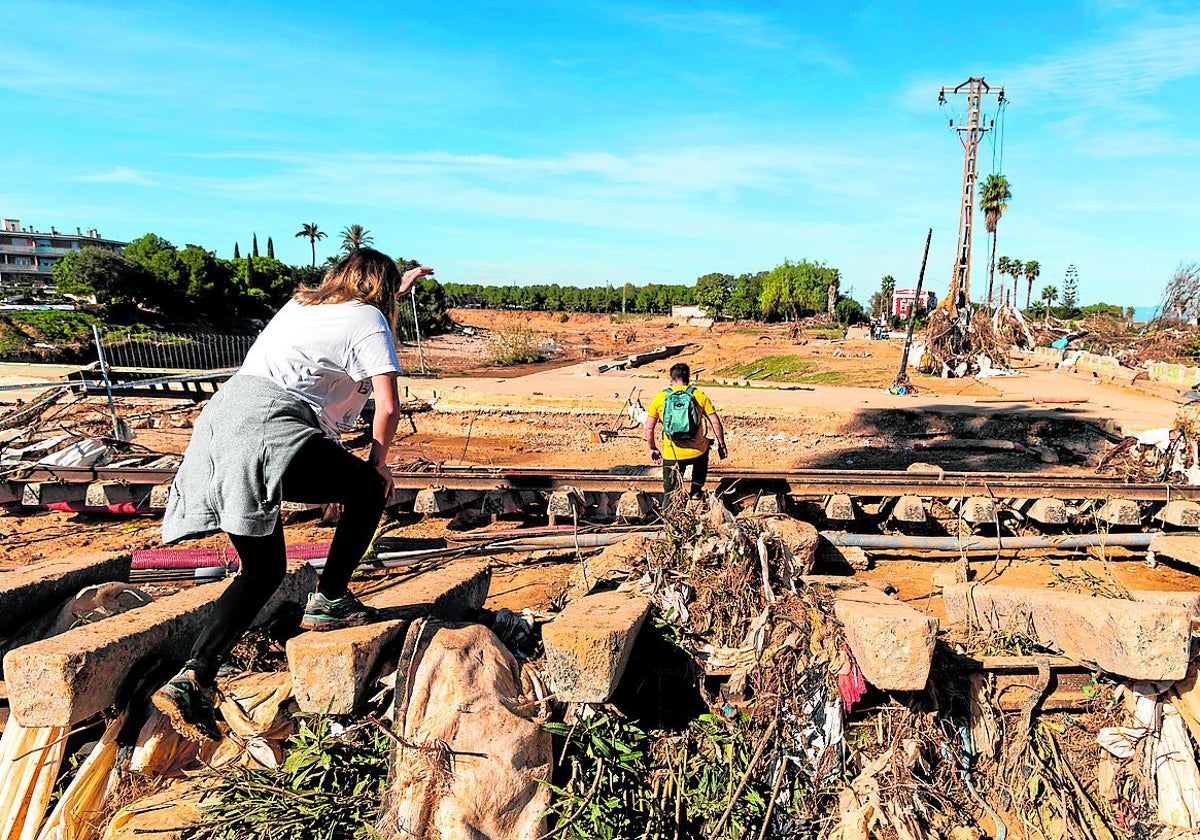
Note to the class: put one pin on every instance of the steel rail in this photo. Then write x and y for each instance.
(805, 484)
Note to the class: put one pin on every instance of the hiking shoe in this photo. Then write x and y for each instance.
(189, 706)
(324, 613)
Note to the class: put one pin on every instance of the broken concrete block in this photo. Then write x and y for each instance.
(1120, 512)
(1140, 640)
(105, 493)
(29, 591)
(801, 538)
(769, 503)
(1182, 547)
(588, 645)
(840, 507)
(634, 506)
(331, 670)
(39, 493)
(1048, 511)
(979, 510)
(1180, 513)
(64, 679)
(909, 509)
(892, 642)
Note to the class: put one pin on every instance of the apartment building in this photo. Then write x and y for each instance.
(27, 256)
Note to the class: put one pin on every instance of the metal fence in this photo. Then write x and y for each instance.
(174, 351)
(210, 351)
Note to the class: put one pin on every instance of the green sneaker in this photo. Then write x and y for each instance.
(324, 613)
(189, 706)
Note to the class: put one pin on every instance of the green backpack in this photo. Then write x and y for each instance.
(680, 416)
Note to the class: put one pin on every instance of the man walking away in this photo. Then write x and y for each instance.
(683, 410)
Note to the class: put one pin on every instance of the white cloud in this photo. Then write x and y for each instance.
(119, 175)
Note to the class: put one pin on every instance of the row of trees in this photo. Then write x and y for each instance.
(156, 281)
(790, 291)
(652, 298)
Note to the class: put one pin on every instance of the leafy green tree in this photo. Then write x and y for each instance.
(849, 311)
(1107, 310)
(796, 289)
(994, 195)
(1031, 270)
(211, 285)
(118, 284)
(271, 278)
(744, 300)
(713, 291)
(312, 233)
(355, 237)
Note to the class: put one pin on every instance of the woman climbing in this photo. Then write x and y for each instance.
(273, 433)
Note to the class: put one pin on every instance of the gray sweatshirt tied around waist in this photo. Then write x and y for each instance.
(232, 472)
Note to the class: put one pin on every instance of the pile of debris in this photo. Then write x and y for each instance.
(963, 341)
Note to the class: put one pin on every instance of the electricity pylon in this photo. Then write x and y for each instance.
(975, 89)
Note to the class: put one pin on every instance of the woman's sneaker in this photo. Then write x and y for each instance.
(324, 613)
(190, 706)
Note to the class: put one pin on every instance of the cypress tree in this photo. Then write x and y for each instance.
(249, 273)
(254, 247)
(270, 249)
(237, 253)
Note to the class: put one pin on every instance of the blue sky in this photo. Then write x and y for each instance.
(612, 141)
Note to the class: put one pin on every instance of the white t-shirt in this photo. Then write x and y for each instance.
(325, 354)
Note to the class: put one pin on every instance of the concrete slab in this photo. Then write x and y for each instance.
(331, 671)
(1143, 639)
(1182, 547)
(65, 679)
(439, 501)
(30, 591)
(588, 645)
(892, 642)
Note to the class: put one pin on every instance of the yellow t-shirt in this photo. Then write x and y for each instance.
(698, 445)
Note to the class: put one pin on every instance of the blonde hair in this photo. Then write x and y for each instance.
(365, 275)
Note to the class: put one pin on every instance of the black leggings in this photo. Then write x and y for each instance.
(673, 470)
(321, 472)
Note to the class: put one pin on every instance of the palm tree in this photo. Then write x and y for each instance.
(1049, 295)
(1013, 269)
(1032, 270)
(310, 231)
(355, 237)
(994, 194)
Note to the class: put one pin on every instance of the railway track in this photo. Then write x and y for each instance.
(855, 498)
